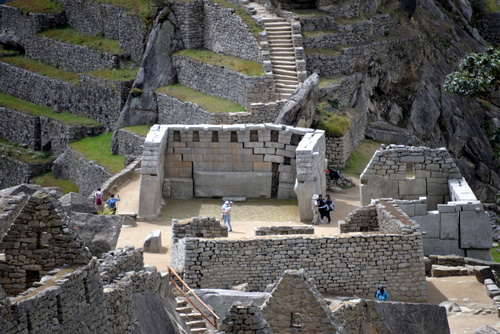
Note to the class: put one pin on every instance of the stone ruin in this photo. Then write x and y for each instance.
(426, 184)
(250, 160)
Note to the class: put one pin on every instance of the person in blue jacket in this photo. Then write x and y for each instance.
(381, 294)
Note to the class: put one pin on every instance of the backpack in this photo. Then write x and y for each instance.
(98, 198)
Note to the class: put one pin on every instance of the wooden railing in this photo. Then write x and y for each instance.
(172, 273)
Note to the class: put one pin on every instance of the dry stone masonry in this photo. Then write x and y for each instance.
(283, 230)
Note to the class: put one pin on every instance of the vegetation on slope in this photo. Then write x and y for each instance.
(358, 159)
(123, 74)
(207, 102)
(71, 36)
(37, 6)
(141, 8)
(40, 68)
(246, 67)
(66, 118)
(98, 149)
(48, 180)
(23, 154)
(140, 130)
(247, 19)
(334, 124)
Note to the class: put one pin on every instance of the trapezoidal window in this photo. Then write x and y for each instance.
(215, 137)
(177, 136)
(410, 170)
(254, 135)
(196, 136)
(295, 320)
(234, 137)
(275, 135)
(295, 140)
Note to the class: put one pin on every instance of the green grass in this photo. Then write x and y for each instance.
(48, 180)
(326, 81)
(491, 5)
(40, 68)
(98, 148)
(246, 18)
(308, 34)
(246, 67)
(206, 102)
(37, 6)
(335, 125)
(23, 154)
(335, 51)
(71, 36)
(125, 74)
(360, 157)
(141, 130)
(142, 8)
(495, 254)
(66, 118)
(310, 13)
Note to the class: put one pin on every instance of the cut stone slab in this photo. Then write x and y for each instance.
(444, 271)
(100, 232)
(152, 244)
(77, 203)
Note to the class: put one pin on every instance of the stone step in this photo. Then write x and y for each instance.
(281, 54)
(284, 72)
(288, 59)
(278, 62)
(181, 302)
(290, 67)
(286, 83)
(196, 324)
(268, 20)
(191, 316)
(198, 330)
(275, 50)
(281, 44)
(291, 87)
(184, 309)
(284, 29)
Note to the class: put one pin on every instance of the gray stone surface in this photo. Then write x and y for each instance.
(100, 232)
(485, 329)
(220, 184)
(475, 230)
(430, 225)
(482, 273)
(436, 246)
(77, 203)
(182, 188)
(449, 228)
(152, 244)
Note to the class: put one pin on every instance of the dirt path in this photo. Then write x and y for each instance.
(477, 307)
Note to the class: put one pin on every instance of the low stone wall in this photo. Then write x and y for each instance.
(326, 263)
(317, 23)
(237, 41)
(283, 230)
(351, 58)
(112, 22)
(16, 172)
(14, 22)
(362, 219)
(70, 57)
(198, 227)
(129, 143)
(41, 133)
(128, 173)
(9, 209)
(94, 98)
(174, 111)
(223, 82)
(87, 175)
(113, 265)
(339, 149)
(189, 15)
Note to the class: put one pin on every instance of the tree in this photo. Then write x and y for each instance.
(478, 76)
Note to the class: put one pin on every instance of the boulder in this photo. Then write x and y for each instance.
(482, 273)
(242, 287)
(443, 271)
(100, 232)
(77, 203)
(485, 329)
(152, 244)
(492, 289)
(451, 307)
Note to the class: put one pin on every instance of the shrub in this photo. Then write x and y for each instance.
(335, 125)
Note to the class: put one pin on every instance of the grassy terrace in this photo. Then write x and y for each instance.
(308, 34)
(326, 81)
(66, 118)
(206, 102)
(48, 180)
(140, 8)
(98, 149)
(71, 36)
(140, 130)
(309, 13)
(247, 19)
(334, 125)
(246, 67)
(360, 158)
(20, 153)
(37, 6)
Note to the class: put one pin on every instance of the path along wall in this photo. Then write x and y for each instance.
(246, 160)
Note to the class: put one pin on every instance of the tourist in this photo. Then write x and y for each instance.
(112, 203)
(98, 200)
(329, 208)
(381, 294)
(322, 208)
(226, 214)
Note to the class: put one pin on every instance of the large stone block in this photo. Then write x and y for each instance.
(442, 247)
(286, 190)
(429, 224)
(437, 189)
(475, 230)
(152, 244)
(240, 184)
(181, 187)
(413, 187)
(449, 226)
(376, 187)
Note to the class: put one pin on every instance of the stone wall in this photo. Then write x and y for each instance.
(189, 16)
(70, 57)
(87, 175)
(353, 58)
(92, 97)
(218, 263)
(404, 172)
(111, 22)
(223, 82)
(129, 143)
(14, 22)
(16, 172)
(41, 133)
(127, 174)
(237, 41)
(9, 209)
(361, 219)
(283, 230)
(338, 149)
(174, 111)
(198, 227)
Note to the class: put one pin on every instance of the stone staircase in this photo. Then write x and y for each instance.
(281, 51)
(192, 318)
